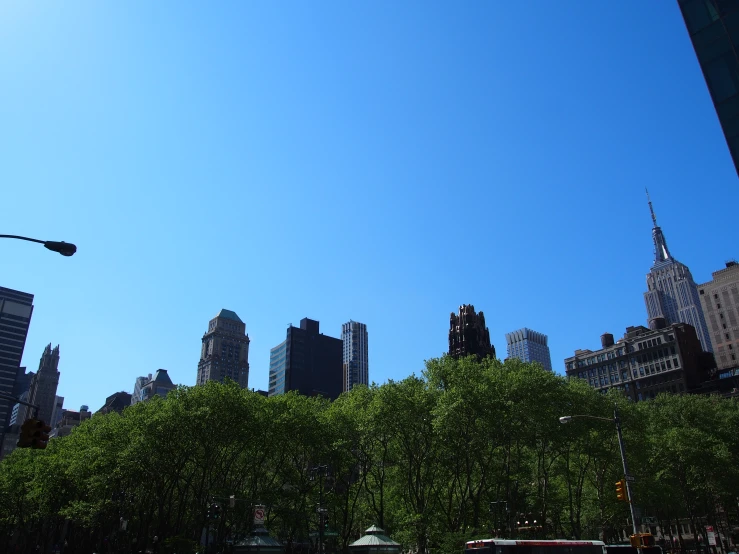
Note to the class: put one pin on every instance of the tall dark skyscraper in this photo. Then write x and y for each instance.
(468, 334)
(672, 293)
(15, 316)
(713, 26)
(42, 391)
(308, 362)
(225, 350)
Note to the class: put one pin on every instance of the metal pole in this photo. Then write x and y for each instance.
(17, 401)
(627, 477)
(21, 238)
(321, 515)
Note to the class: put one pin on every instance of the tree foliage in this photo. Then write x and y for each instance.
(468, 449)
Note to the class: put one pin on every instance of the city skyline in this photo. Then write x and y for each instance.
(499, 167)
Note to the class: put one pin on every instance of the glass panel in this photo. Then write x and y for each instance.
(722, 78)
(698, 14)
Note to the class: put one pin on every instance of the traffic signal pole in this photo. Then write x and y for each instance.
(18, 401)
(627, 477)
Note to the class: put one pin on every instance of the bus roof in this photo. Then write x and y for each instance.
(507, 542)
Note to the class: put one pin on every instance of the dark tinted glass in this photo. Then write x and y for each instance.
(698, 14)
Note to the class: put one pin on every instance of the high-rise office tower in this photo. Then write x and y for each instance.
(15, 316)
(720, 301)
(56, 415)
(277, 369)
(713, 26)
(225, 350)
(138, 387)
(42, 392)
(468, 334)
(671, 290)
(308, 362)
(529, 346)
(355, 355)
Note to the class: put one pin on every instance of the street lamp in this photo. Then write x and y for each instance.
(64, 248)
(320, 471)
(615, 419)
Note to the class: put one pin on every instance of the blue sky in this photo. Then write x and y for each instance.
(377, 161)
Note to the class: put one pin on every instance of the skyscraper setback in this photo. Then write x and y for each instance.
(468, 334)
(671, 291)
(355, 354)
(15, 316)
(225, 350)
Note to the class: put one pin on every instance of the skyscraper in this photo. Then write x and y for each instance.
(671, 290)
(225, 350)
(355, 355)
(713, 26)
(42, 392)
(277, 367)
(720, 301)
(138, 387)
(308, 362)
(468, 334)
(56, 415)
(15, 316)
(529, 346)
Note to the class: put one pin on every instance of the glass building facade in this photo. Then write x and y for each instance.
(277, 365)
(713, 26)
(15, 316)
(529, 346)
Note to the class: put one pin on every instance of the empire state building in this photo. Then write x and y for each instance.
(671, 291)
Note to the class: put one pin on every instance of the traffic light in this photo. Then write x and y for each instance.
(641, 540)
(216, 511)
(621, 491)
(325, 522)
(34, 434)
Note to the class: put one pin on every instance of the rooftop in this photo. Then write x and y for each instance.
(228, 314)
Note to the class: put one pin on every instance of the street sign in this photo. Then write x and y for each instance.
(630, 478)
(259, 515)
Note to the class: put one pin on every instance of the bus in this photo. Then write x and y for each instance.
(501, 546)
(628, 549)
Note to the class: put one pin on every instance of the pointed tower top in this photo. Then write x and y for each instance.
(651, 210)
(661, 253)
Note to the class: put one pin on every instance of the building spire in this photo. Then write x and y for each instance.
(661, 253)
(649, 201)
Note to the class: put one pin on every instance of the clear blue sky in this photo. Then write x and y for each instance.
(377, 161)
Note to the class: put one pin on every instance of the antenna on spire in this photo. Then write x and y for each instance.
(651, 210)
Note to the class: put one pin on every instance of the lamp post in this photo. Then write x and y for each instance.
(615, 419)
(64, 248)
(320, 471)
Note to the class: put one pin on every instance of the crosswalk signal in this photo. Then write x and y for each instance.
(621, 495)
(34, 434)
